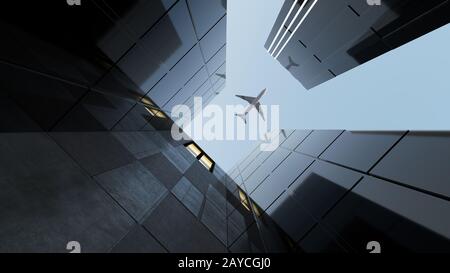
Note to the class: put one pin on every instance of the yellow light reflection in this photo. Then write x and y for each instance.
(193, 149)
(206, 162)
(147, 101)
(155, 113)
(244, 200)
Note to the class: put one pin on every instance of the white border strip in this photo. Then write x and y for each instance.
(296, 28)
(290, 25)
(281, 27)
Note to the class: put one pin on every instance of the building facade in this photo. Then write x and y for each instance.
(115, 59)
(337, 191)
(86, 151)
(317, 40)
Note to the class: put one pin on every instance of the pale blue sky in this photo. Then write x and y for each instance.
(405, 89)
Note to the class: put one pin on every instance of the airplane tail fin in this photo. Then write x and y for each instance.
(242, 116)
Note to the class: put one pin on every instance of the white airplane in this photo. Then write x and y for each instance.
(253, 103)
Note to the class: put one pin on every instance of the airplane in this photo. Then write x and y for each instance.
(224, 76)
(291, 63)
(253, 103)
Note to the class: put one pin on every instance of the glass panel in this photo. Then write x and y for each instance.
(155, 113)
(193, 149)
(244, 200)
(207, 162)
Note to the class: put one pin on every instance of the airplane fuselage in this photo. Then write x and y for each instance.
(249, 108)
(253, 103)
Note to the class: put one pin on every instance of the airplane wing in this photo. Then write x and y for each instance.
(261, 94)
(248, 99)
(258, 107)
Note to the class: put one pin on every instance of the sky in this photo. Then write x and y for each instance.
(404, 89)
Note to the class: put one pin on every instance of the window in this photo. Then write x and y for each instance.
(155, 113)
(198, 153)
(246, 203)
(206, 161)
(194, 149)
(148, 101)
(244, 200)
